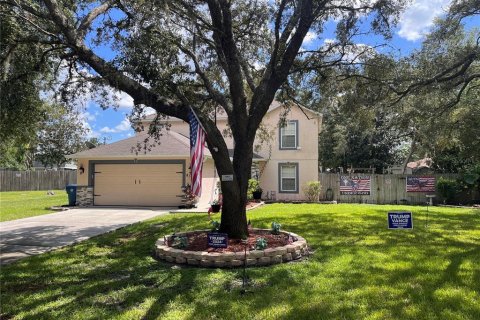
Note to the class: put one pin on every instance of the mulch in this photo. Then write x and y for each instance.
(198, 242)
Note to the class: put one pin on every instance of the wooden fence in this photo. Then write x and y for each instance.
(36, 180)
(385, 189)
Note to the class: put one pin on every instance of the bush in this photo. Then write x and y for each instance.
(261, 244)
(215, 225)
(447, 189)
(276, 227)
(312, 190)
(253, 185)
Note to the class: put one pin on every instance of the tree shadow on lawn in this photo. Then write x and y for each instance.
(359, 268)
(85, 274)
(398, 273)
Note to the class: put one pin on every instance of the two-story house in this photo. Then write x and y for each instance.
(133, 172)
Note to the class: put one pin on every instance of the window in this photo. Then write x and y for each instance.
(288, 177)
(288, 135)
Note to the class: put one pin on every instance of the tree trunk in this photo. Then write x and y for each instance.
(234, 216)
(410, 153)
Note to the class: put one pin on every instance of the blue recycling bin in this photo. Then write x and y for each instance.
(72, 194)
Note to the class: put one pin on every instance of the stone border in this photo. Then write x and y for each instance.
(266, 257)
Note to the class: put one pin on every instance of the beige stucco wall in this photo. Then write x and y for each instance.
(306, 155)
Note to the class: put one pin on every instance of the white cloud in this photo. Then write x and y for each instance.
(310, 36)
(122, 126)
(418, 18)
(89, 116)
(90, 132)
(329, 41)
(123, 100)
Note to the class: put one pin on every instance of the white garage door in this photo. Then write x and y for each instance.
(138, 184)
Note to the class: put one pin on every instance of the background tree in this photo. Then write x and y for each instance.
(22, 110)
(61, 134)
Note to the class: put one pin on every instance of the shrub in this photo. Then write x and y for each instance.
(276, 227)
(215, 225)
(447, 189)
(253, 185)
(180, 242)
(312, 190)
(261, 244)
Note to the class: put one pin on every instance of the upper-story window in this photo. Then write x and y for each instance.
(289, 135)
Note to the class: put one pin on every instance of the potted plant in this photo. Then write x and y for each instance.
(254, 191)
(257, 194)
(215, 206)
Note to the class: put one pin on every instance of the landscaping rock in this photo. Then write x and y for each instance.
(256, 254)
(230, 259)
(287, 257)
(264, 261)
(277, 259)
(206, 263)
(235, 263)
(219, 263)
(296, 255)
(180, 260)
(251, 262)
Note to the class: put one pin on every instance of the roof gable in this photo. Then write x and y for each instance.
(170, 144)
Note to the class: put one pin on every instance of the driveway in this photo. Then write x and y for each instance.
(30, 236)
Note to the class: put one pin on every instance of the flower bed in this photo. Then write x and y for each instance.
(284, 247)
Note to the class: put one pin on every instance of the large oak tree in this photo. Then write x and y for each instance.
(173, 55)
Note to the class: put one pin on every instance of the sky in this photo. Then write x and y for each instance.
(111, 125)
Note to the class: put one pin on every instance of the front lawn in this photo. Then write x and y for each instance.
(23, 204)
(359, 270)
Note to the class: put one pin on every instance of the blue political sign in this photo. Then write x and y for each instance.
(400, 220)
(217, 240)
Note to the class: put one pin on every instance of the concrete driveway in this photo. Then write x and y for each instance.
(30, 236)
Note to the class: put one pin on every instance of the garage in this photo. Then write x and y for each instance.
(138, 184)
(134, 172)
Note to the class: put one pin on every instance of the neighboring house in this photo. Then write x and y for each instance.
(119, 174)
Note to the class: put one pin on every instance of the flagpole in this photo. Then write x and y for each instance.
(198, 120)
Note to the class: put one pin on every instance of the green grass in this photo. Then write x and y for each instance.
(359, 270)
(23, 204)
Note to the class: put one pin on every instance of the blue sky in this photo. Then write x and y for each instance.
(112, 124)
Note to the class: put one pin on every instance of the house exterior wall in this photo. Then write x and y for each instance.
(305, 155)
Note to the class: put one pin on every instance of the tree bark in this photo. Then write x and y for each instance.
(410, 153)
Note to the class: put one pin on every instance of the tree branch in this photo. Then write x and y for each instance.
(92, 15)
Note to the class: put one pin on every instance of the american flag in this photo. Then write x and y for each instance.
(420, 184)
(355, 185)
(197, 141)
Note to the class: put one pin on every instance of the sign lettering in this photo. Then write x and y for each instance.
(400, 220)
(217, 240)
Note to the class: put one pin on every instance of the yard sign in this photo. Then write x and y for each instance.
(217, 240)
(355, 185)
(400, 220)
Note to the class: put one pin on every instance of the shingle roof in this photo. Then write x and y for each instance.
(171, 144)
(221, 115)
